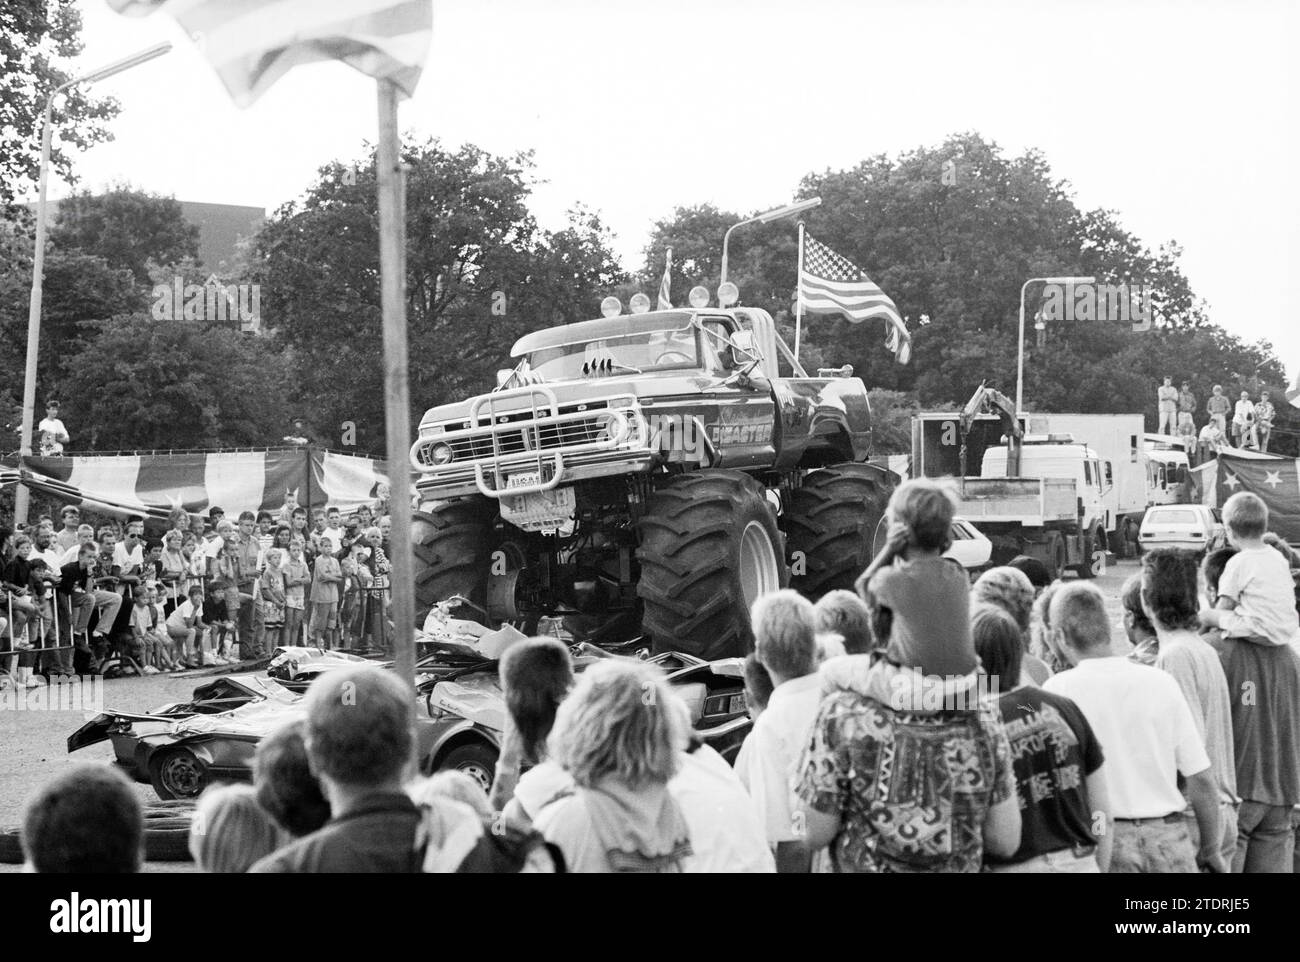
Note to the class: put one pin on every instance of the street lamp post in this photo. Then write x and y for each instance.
(778, 213)
(1020, 344)
(38, 260)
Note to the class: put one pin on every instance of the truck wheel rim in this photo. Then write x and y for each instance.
(758, 571)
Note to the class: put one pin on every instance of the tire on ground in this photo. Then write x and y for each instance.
(452, 546)
(690, 544)
(830, 526)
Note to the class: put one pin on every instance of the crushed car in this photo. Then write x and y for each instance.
(181, 748)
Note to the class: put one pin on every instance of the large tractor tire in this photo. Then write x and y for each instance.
(452, 545)
(1095, 542)
(830, 524)
(709, 546)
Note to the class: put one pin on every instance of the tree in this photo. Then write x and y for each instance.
(479, 274)
(951, 233)
(34, 34)
(127, 228)
(80, 292)
(141, 383)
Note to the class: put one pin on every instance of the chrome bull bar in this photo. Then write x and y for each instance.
(618, 428)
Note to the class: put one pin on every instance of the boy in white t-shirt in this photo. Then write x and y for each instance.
(1256, 592)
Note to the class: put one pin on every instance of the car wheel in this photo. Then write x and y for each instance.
(178, 773)
(477, 760)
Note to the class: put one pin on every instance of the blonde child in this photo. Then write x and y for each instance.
(272, 590)
(1256, 600)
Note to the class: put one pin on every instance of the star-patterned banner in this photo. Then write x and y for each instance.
(1276, 481)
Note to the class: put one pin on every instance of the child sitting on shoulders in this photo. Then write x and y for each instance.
(1256, 599)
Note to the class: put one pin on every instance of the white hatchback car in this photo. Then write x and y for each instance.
(1193, 527)
(969, 547)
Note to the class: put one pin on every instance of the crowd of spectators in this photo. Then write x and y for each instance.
(199, 590)
(918, 724)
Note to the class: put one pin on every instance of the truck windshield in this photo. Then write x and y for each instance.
(646, 351)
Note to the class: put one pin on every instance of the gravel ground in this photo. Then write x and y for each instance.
(34, 742)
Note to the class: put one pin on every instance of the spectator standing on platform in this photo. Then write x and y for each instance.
(1218, 407)
(1167, 404)
(51, 432)
(1243, 422)
(1187, 410)
(1264, 415)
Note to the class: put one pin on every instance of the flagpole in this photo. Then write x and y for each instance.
(390, 182)
(798, 296)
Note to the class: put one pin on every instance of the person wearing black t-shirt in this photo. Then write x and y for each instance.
(1057, 761)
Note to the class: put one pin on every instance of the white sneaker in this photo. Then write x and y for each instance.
(210, 659)
(33, 682)
(149, 670)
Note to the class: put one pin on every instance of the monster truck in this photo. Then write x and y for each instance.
(649, 473)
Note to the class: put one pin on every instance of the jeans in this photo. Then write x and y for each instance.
(1062, 862)
(1153, 845)
(109, 604)
(1265, 841)
(1228, 833)
(252, 626)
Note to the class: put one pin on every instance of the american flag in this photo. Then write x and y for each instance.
(665, 301)
(253, 43)
(831, 284)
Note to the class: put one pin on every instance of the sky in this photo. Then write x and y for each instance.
(1179, 115)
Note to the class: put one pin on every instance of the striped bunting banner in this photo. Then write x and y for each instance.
(155, 484)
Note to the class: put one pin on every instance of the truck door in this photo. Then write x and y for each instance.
(738, 418)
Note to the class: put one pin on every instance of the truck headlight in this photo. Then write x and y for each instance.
(440, 453)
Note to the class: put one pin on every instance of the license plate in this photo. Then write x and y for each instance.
(526, 479)
(540, 510)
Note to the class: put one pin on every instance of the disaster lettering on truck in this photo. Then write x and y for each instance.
(647, 474)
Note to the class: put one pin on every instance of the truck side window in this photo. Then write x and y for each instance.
(711, 351)
(1087, 472)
